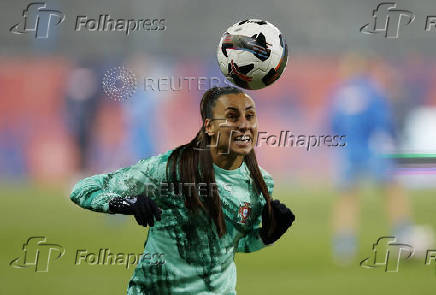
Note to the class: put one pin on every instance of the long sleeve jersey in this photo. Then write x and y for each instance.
(196, 260)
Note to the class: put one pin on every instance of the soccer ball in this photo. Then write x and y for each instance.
(252, 54)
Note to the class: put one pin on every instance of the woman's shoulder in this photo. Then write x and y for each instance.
(265, 173)
(268, 179)
(155, 166)
(156, 159)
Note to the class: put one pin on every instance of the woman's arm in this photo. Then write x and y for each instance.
(95, 192)
(252, 241)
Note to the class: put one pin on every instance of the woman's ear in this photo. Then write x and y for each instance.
(208, 127)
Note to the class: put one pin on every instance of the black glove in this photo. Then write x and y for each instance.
(142, 207)
(282, 220)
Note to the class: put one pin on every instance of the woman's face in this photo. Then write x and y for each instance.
(234, 124)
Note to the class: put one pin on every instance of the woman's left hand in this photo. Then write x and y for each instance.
(282, 220)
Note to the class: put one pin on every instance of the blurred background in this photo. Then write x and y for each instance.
(57, 126)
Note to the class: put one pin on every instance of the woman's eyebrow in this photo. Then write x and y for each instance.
(236, 109)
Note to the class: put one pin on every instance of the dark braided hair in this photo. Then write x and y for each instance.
(194, 164)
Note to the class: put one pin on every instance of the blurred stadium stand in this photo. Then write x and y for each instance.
(49, 132)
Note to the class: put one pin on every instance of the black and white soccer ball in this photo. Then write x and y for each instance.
(252, 54)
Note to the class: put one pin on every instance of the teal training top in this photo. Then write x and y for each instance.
(196, 260)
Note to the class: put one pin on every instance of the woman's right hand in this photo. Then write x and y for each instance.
(143, 208)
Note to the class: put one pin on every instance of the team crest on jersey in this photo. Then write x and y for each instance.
(244, 211)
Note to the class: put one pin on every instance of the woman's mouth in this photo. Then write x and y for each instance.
(243, 140)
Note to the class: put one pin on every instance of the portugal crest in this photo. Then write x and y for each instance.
(244, 212)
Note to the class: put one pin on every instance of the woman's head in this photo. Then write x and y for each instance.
(229, 120)
(227, 114)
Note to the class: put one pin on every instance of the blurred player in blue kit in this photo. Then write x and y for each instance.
(361, 111)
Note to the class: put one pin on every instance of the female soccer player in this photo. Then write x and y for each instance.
(203, 201)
